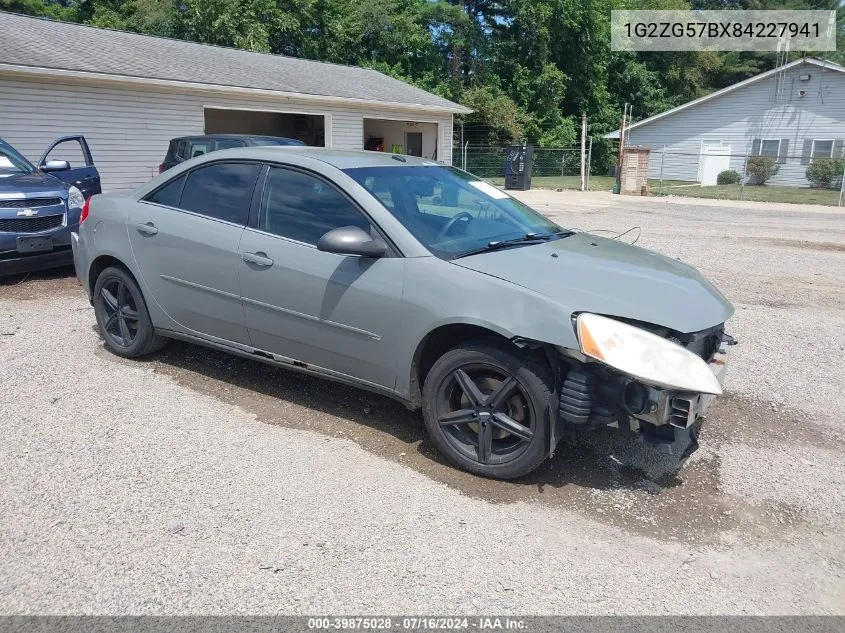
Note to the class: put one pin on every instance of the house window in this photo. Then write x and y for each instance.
(822, 149)
(770, 147)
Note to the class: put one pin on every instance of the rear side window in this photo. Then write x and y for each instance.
(168, 194)
(182, 149)
(228, 143)
(198, 148)
(221, 191)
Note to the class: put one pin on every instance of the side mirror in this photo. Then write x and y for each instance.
(350, 240)
(55, 165)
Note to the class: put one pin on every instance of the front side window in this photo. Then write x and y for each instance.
(822, 149)
(302, 207)
(221, 191)
(449, 211)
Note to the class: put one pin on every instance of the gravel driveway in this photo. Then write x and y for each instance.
(196, 482)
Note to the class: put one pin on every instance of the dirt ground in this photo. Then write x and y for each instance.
(197, 482)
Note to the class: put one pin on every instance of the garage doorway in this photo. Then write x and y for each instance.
(413, 138)
(308, 128)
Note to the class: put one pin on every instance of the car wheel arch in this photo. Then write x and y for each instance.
(440, 340)
(100, 263)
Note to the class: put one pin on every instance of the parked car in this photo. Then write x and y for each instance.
(188, 147)
(40, 206)
(415, 280)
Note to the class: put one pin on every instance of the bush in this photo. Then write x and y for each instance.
(826, 173)
(727, 177)
(759, 169)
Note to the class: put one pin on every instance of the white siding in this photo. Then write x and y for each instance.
(128, 127)
(761, 110)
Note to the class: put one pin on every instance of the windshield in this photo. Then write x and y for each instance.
(13, 163)
(451, 212)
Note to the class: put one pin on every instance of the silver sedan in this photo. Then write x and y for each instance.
(412, 279)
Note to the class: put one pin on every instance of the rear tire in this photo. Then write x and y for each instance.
(122, 315)
(486, 408)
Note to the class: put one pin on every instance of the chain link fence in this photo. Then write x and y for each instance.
(708, 172)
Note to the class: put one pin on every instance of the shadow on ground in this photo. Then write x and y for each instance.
(41, 283)
(602, 474)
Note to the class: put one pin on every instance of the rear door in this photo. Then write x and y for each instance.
(82, 173)
(185, 238)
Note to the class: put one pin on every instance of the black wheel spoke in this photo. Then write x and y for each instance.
(461, 416)
(125, 334)
(112, 320)
(121, 294)
(498, 397)
(485, 442)
(507, 423)
(109, 298)
(476, 398)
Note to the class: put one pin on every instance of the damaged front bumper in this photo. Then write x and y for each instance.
(592, 396)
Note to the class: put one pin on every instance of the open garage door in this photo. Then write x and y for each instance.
(308, 128)
(414, 138)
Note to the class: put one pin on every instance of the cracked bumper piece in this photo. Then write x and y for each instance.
(667, 418)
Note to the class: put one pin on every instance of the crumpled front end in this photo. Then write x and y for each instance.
(593, 394)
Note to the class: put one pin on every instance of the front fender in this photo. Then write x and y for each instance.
(438, 293)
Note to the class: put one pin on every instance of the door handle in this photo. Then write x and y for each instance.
(147, 229)
(259, 259)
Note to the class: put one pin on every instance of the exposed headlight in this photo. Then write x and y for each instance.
(644, 355)
(75, 199)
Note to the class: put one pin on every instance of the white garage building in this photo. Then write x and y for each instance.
(130, 94)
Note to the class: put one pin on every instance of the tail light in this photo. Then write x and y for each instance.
(161, 168)
(84, 215)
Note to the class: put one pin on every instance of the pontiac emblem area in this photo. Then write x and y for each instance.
(28, 213)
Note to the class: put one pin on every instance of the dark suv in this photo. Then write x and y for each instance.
(40, 205)
(187, 147)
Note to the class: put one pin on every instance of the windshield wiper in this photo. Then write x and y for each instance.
(528, 238)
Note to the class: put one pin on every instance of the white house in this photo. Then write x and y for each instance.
(130, 94)
(793, 113)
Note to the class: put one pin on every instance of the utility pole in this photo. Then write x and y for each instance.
(583, 151)
(619, 153)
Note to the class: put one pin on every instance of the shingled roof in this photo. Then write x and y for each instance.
(38, 43)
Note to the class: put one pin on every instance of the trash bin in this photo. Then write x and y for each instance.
(518, 167)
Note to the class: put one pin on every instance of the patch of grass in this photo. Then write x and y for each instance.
(757, 193)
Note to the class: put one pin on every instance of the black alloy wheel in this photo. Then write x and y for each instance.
(122, 315)
(484, 414)
(486, 408)
(121, 325)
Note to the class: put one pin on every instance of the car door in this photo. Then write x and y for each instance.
(334, 311)
(82, 173)
(185, 237)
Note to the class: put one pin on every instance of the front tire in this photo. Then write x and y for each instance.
(122, 315)
(486, 408)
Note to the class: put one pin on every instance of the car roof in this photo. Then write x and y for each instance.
(342, 159)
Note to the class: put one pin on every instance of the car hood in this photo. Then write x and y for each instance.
(34, 185)
(585, 273)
